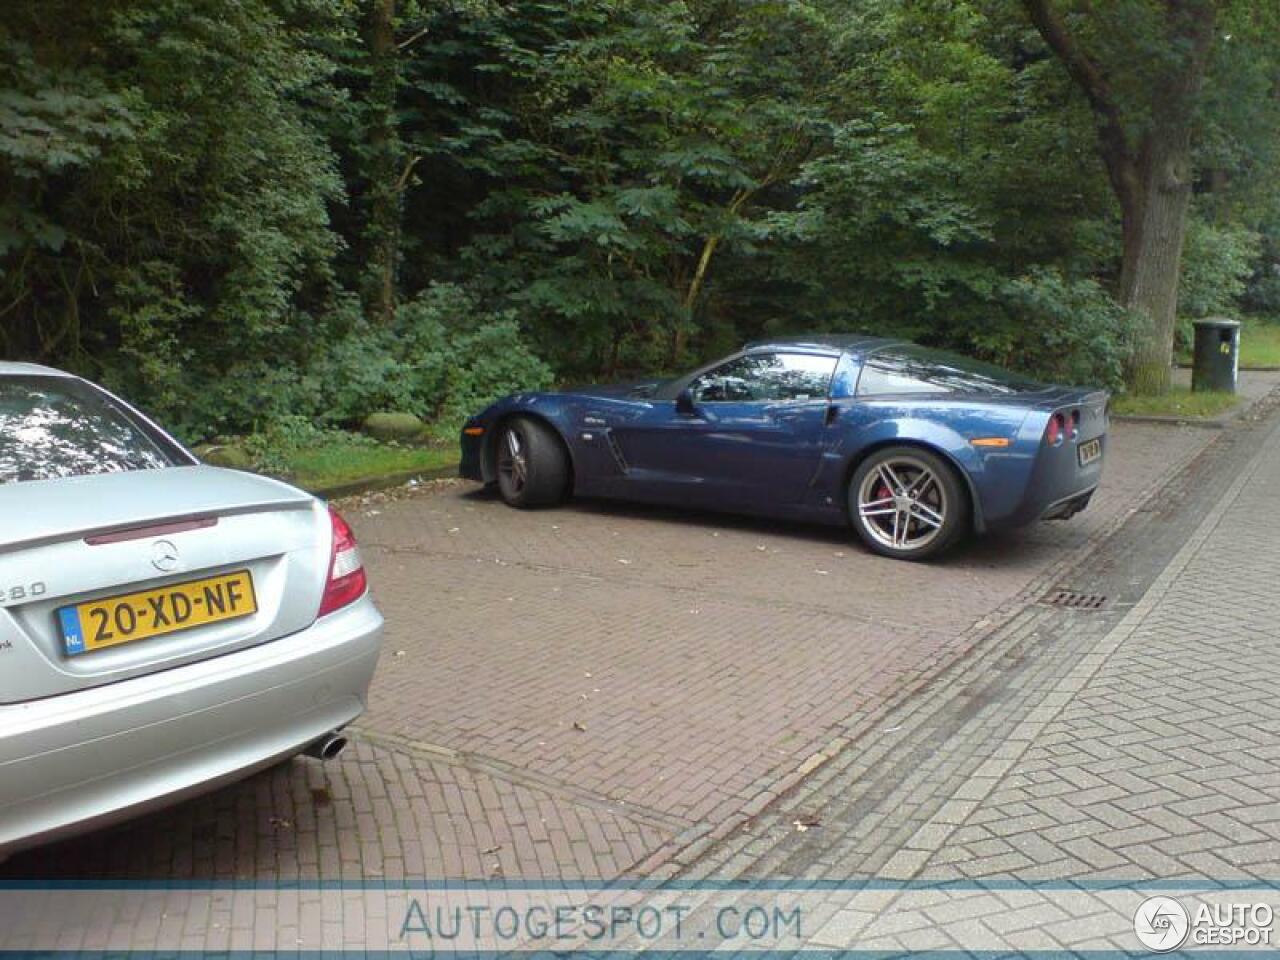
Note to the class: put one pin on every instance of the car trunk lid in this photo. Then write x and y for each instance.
(69, 541)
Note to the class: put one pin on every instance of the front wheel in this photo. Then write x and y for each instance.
(908, 503)
(533, 468)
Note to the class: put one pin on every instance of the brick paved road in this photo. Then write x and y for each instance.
(580, 692)
(1139, 744)
(1162, 759)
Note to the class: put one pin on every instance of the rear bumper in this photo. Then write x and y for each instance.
(1054, 486)
(1068, 507)
(83, 760)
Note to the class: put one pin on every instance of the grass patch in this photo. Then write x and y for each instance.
(1260, 343)
(316, 458)
(335, 462)
(1180, 402)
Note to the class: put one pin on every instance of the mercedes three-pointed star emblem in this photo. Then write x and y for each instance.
(164, 556)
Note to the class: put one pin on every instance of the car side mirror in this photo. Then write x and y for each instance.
(685, 404)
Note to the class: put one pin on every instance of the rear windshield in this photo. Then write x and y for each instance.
(912, 369)
(53, 427)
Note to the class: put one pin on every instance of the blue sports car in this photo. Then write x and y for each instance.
(912, 446)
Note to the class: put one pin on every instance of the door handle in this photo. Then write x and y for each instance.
(832, 413)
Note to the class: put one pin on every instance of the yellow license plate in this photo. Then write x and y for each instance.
(1090, 452)
(153, 613)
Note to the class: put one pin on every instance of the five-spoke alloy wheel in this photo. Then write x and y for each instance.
(907, 503)
(532, 465)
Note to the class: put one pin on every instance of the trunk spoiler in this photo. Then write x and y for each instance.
(48, 511)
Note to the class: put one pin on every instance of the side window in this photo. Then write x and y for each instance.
(915, 369)
(892, 373)
(766, 377)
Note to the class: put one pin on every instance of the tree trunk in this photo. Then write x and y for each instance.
(383, 233)
(1153, 181)
(680, 336)
(710, 245)
(1155, 218)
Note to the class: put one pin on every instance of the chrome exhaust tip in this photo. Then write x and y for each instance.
(328, 747)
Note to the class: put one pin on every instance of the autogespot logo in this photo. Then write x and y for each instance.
(1161, 924)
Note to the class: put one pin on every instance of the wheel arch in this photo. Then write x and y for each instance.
(489, 453)
(976, 520)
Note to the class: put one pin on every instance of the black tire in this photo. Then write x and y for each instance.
(534, 472)
(923, 516)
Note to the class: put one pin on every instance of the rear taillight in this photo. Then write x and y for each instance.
(347, 581)
(1053, 433)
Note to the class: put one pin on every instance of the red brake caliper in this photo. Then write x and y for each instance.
(883, 493)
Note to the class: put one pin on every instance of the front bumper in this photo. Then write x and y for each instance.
(471, 463)
(82, 760)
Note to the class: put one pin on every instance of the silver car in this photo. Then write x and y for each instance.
(165, 626)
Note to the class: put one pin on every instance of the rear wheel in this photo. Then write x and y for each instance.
(533, 468)
(908, 503)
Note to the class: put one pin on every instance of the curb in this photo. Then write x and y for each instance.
(386, 482)
(1251, 368)
(1219, 422)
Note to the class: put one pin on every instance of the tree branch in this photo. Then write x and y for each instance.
(410, 41)
(1092, 80)
(403, 180)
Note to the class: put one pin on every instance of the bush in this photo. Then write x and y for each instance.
(1217, 263)
(272, 447)
(1263, 293)
(1058, 329)
(443, 358)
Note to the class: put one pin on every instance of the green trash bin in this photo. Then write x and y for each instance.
(1216, 362)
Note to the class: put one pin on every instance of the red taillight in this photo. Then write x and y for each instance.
(1053, 433)
(347, 581)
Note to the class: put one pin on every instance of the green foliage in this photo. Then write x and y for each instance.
(274, 447)
(193, 197)
(632, 145)
(1062, 330)
(318, 458)
(201, 201)
(339, 462)
(1217, 263)
(442, 358)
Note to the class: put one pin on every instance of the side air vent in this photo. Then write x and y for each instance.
(616, 451)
